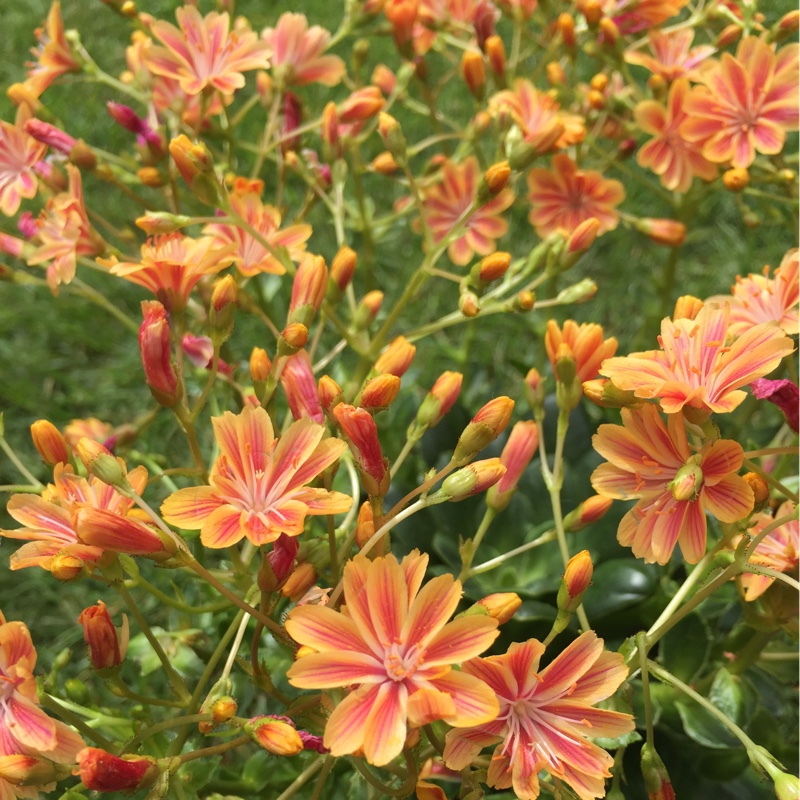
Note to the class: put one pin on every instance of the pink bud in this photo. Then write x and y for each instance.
(154, 344)
(48, 134)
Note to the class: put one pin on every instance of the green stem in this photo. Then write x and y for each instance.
(208, 752)
(545, 538)
(301, 780)
(51, 704)
(86, 291)
(121, 690)
(641, 641)
(164, 725)
(470, 547)
(162, 597)
(14, 459)
(327, 766)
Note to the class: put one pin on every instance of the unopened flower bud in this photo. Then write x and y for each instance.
(603, 393)
(609, 31)
(582, 238)
(274, 735)
(384, 163)
(494, 266)
(329, 392)
(397, 357)
(392, 135)
(495, 179)
(224, 297)
(102, 772)
(472, 479)
(473, 71)
(425, 790)
(687, 482)
(566, 27)
(343, 268)
(484, 428)
(469, 304)
(155, 349)
(384, 79)
(577, 577)
(501, 606)
(293, 338)
(496, 53)
(535, 393)
(48, 134)
(736, 179)
(367, 309)
(787, 787)
(669, 232)
(590, 510)
(656, 778)
(101, 463)
(303, 577)
(379, 392)
(196, 167)
(555, 74)
(728, 35)
(49, 442)
(517, 454)
(577, 293)
(365, 528)
(155, 222)
(760, 489)
(522, 155)
(223, 710)
(329, 132)
(524, 301)
(361, 105)
(24, 770)
(439, 400)
(67, 567)
(151, 176)
(260, 365)
(592, 11)
(359, 427)
(687, 307)
(107, 644)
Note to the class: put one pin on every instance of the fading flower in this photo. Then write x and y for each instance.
(563, 197)
(784, 394)
(53, 55)
(672, 54)
(395, 647)
(546, 717)
(258, 483)
(695, 367)
(652, 462)
(203, 52)
(19, 153)
(447, 201)
(297, 52)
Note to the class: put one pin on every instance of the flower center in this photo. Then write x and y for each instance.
(399, 664)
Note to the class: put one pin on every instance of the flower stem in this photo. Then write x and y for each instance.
(301, 780)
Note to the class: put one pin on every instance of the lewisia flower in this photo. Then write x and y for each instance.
(695, 367)
(673, 55)
(746, 105)
(395, 648)
(449, 199)
(538, 116)
(759, 298)
(250, 255)
(19, 153)
(634, 17)
(53, 55)
(778, 550)
(652, 462)
(258, 483)
(75, 520)
(669, 154)
(300, 387)
(564, 197)
(585, 342)
(546, 717)
(297, 52)
(204, 52)
(172, 265)
(31, 743)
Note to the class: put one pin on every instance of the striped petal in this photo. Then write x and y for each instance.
(386, 729)
(324, 629)
(463, 744)
(30, 725)
(344, 733)
(569, 666)
(431, 609)
(475, 702)
(189, 508)
(223, 528)
(331, 669)
(461, 640)
(427, 705)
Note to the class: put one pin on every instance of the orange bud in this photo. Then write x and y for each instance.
(274, 735)
(329, 132)
(300, 387)
(191, 159)
(517, 454)
(67, 567)
(365, 528)
(669, 232)
(582, 238)
(308, 289)
(100, 462)
(728, 35)
(566, 27)
(484, 428)
(589, 511)
(592, 11)
(687, 307)
(402, 14)
(49, 442)
(656, 777)
(329, 392)
(524, 301)
(596, 100)
(379, 392)
(440, 399)
(150, 176)
(577, 577)
(425, 790)
(687, 482)
(759, 486)
(609, 31)
(736, 179)
(295, 336)
(102, 772)
(384, 163)
(496, 177)
(555, 74)
(361, 105)
(392, 135)
(494, 266)
(657, 85)
(384, 79)
(501, 605)
(397, 357)
(496, 53)
(155, 222)
(303, 577)
(472, 479)
(473, 71)
(225, 293)
(107, 644)
(359, 427)
(534, 390)
(260, 365)
(599, 82)
(343, 267)
(367, 309)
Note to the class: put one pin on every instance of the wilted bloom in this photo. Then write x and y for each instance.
(172, 264)
(155, 349)
(778, 550)
(49, 442)
(449, 200)
(564, 197)
(29, 738)
(297, 52)
(695, 367)
(652, 462)
(669, 154)
(395, 648)
(517, 454)
(784, 394)
(258, 483)
(53, 54)
(397, 357)
(249, 255)
(276, 736)
(538, 116)
(103, 772)
(746, 104)
(546, 717)
(204, 52)
(19, 153)
(300, 387)
(673, 55)
(361, 431)
(107, 644)
(759, 298)
(585, 342)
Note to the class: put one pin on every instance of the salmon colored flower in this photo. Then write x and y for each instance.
(81, 518)
(759, 298)
(449, 199)
(565, 196)
(395, 647)
(204, 52)
(19, 153)
(172, 265)
(258, 483)
(517, 454)
(546, 717)
(778, 550)
(251, 256)
(91, 427)
(538, 116)
(297, 52)
(585, 341)
(53, 55)
(29, 739)
(746, 104)
(669, 154)
(634, 17)
(652, 462)
(695, 367)
(300, 388)
(672, 55)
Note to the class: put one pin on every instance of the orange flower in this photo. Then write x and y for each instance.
(19, 153)
(672, 57)
(564, 197)
(258, 483)
(759, 298)
(538, 116)
(395, 648)
(778, 550)
(449, 199)
(250, 256)
(30, 741)
(695, 367)
(586, 342)
(546, 717)
(746, 105)
(634, 17)
(204, 52)
(172, 264)
(652, 462)
(669, 154)
(53, 54)
(297, 52)
(80, 518)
